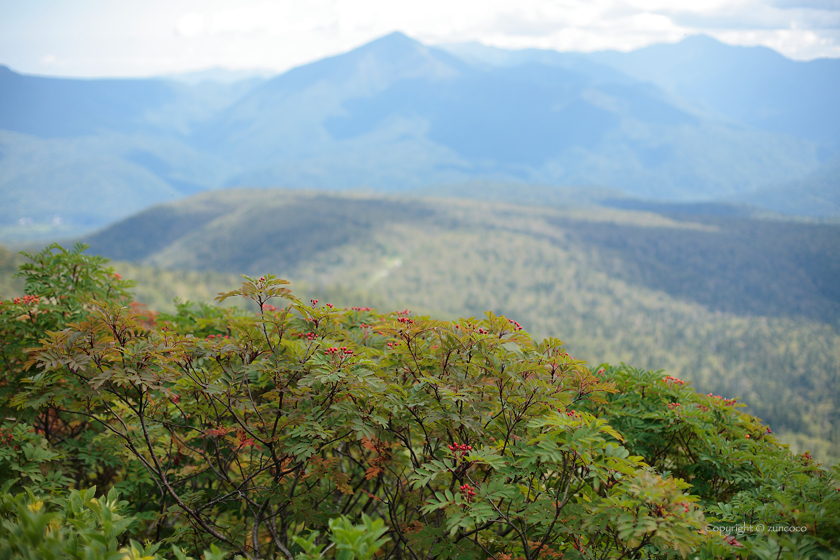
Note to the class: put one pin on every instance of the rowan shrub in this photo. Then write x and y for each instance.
(262, 433)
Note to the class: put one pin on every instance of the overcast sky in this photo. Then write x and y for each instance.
(150, 37)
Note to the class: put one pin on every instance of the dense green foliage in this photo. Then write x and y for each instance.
(737, 306)
(258, 433)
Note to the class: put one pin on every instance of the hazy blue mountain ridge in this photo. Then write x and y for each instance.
(817, 195)
(756, 86)
(76, 154)
(339, 123)
(396, 115)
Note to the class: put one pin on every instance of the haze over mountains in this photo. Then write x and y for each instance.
(698, 120)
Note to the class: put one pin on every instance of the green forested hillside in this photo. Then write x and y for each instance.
(741, 307)
(9, 285)
(816, 195)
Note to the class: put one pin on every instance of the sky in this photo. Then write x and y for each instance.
(97, 38)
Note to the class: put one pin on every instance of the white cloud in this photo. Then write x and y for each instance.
(795, 43)
(190, 24)
(102, 37)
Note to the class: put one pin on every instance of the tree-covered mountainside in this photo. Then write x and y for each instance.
(740, 306)
(9, 262)
(816, 195)
(129, 434)
(736, 265)
(396, 115)
(78, 154)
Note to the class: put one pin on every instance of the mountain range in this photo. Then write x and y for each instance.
(694, 121)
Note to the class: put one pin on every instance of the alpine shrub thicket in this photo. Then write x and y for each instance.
(273, 434)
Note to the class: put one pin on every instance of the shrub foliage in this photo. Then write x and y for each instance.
(267, 434)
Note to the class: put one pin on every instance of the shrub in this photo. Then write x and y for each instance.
(261, 432)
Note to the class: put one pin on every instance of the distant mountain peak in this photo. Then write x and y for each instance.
(374, 65)
(396, 37)
(399, 47)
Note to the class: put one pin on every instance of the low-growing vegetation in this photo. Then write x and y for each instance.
(305, 430)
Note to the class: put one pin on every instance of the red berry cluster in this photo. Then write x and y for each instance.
(570, 413)
(269, 307)
(673, 405)
(26, 300)
(403, 312)
(674, 380)
(392, 344)
(116, 276)
(460, 448)
(314, 302)
(406, 320)
(308, 336)
(480, 330)
(703, 408)
(212, 336)
(336, 350)
(726, 402)
(468, 492)
(685, 506)
(516, 325)
(361, 309)
(6, 436)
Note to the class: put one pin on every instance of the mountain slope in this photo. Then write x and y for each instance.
(65, 107)
(77, 154)
(63, 186)
(817, 195)
(396, 114)
(755, 86)
(60, 107)
(752, 85)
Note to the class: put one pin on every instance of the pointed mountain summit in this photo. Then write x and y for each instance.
(284, 116)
